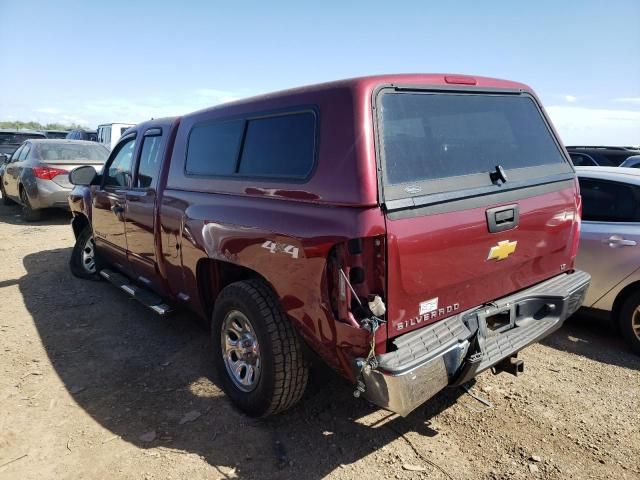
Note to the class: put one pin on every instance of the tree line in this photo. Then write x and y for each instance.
(39, 126)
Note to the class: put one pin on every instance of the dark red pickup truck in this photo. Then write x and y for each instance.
(411, 230)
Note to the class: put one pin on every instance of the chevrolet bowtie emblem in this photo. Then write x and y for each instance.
(502, 250)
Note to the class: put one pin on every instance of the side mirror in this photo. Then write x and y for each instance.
(4, 158)
(82, 175)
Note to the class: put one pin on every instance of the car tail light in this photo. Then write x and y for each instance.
(356, 274)
(575, 244)
(48, 173)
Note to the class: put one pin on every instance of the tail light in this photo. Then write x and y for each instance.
(48, 173)
(356, 273)
(575, 234)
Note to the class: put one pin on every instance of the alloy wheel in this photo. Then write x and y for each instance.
(240, 350)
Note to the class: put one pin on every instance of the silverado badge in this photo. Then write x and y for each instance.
(502, 250)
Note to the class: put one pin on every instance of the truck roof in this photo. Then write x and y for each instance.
(368, 83)
(345, 116)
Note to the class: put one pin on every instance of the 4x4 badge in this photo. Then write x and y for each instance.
(502, 250)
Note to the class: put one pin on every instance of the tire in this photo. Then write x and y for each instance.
(275, 368)
(84, 262)
(629, 322)
(28, 213)
(5, 200)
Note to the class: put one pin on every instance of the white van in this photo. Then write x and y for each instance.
(110, 133)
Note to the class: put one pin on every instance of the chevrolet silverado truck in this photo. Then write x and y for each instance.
(411, 230)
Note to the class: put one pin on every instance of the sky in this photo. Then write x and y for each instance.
(93, 62)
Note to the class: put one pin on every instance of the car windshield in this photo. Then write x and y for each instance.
(53, 152)
(9, 138)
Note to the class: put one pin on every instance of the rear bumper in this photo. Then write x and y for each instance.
(49, 194)
(454, 350)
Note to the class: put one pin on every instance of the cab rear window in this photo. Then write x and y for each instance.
(275, 146)
(432, 136)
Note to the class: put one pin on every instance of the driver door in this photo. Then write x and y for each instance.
(109, 205)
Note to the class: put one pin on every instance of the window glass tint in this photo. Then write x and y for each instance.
(16, 154)
(25, 151)
(119, 171)
(580, 160)
(17, 138)
(281, 146)
(432, 136)
(604, 201)
(149, 162)
(51, 152)
(213, 148)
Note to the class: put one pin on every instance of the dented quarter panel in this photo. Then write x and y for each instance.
(234, 229)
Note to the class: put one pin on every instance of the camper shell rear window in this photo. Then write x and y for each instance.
(433, 142)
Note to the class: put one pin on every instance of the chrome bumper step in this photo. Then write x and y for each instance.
(143, 295)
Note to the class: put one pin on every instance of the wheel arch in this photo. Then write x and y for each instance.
(622, 296)
(79, 223)
(212, 276)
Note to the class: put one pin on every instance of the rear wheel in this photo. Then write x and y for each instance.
(258, 355)
(629, 321)
(83, 262)
(28, 213)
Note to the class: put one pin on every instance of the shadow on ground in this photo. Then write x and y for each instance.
(593, 336)
(142, 377)
(11, 214)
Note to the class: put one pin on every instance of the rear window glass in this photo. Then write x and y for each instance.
(65, 151)
(432, 136)
(16, 138)
(213, 148)
(275, 146)
(281, 146)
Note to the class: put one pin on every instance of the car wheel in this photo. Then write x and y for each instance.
(28, 213)
(5, 200)
(257, 353)
(84, 262)
(629, 322)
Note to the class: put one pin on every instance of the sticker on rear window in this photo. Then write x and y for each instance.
(428, 306)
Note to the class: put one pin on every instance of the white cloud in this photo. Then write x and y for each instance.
(93, 111)
(47, 110)
(632, 100)
(570, 98)
(596, 126)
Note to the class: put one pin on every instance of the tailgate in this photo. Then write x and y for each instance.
(480, 201)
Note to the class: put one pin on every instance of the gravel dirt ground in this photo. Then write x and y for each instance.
(94, 385)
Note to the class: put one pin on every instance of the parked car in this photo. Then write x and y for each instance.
(610, 245)
(56, 133)
(412, 230)
(110, 133)
(37, 175)
(631, 162)
(81, 134)
(600, 156)
(11, 139)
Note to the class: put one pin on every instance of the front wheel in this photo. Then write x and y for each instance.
(629, 321)
(83, 262)
(258, 355)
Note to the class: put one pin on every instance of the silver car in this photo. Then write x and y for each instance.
(610, 244)
(37, 174)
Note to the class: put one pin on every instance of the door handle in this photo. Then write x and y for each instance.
(618, 241)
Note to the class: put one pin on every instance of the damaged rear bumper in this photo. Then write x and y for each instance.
(454, 350)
